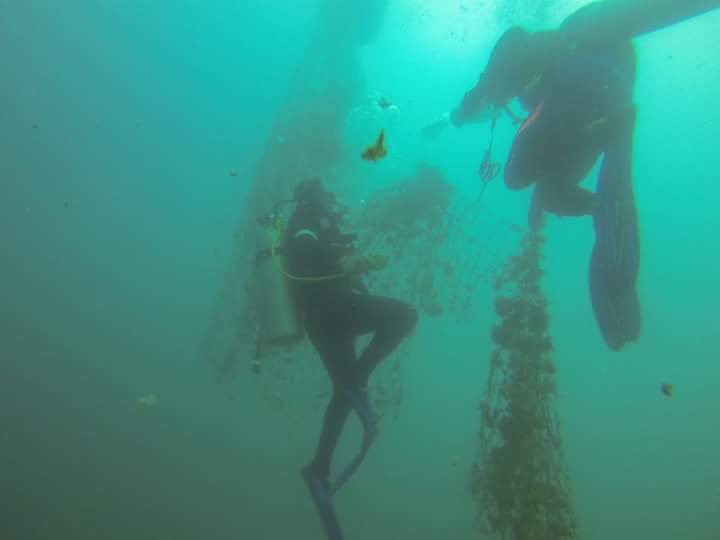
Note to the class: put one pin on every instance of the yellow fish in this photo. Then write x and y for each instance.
(378, 150)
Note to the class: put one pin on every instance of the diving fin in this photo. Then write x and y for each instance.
(320, 492)
(362, 409)
(320, 488)
(615, 260)
(618, 314)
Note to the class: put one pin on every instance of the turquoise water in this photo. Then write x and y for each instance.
(120, 124)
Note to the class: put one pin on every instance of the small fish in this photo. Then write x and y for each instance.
(667, 389)
(384, 103)
(376, 151)
(232, 173)
(149, 400)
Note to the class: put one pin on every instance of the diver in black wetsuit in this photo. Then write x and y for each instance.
(578, 81)
(577, 88)
(337, 308)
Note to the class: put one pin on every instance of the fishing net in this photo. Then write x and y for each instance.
(305, 140)
(520, 480)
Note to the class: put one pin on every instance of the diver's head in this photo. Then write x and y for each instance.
(517, 59)
(311, 194)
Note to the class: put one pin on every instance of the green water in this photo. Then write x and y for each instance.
(120, 121)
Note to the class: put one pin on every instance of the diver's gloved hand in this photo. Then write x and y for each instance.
(356, 264)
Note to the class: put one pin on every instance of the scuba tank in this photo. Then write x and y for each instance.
(280, 320)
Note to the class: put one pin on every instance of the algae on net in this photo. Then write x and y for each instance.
(520, 479)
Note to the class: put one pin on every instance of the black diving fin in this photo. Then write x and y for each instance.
(321, 490)
(615, 260)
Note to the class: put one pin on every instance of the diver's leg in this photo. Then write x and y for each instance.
(525, 164)
(551, 142)
(390, 321)
(335, 416)
(560, 192)
(517, 176)
(565, 199)
(613, 21)
(335, 342)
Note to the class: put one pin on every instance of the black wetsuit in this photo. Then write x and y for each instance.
(578, 82)
(583, 110)
(582, 99)
(336, 311)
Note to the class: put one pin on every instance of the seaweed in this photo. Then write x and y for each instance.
(519, 479)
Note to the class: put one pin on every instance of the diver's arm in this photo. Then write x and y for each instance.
(309, 255)
(517, 60)
(473, 105)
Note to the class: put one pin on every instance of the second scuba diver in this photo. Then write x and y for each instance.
(337, 308)
(577, 82)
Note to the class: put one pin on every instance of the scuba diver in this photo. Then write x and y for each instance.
(325, 277)
(577, 83)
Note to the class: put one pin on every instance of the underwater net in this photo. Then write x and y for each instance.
(442, 248)
(520, 480)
